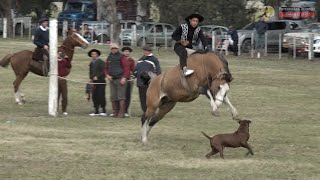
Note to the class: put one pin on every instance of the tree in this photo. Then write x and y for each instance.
(108, 11)
(221, 12)
(5, 12)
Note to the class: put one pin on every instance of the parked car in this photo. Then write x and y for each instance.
(301, 38)
(316, 45)
(77, 11)
(152, 31)
(274, 29)
(220, 33)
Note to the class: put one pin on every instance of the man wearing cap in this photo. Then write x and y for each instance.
(117, 72)
(131, 65)
(41, 40)
(187, 36)
(97, 75)
(148, 62)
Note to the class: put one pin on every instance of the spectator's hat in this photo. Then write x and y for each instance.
(147, 48)
(114, 46)
(126, 49)
(41, 20)
(94, 50)
(198, 16)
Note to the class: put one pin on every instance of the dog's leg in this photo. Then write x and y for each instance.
(220, 150)
(246, 145)
(213, 152)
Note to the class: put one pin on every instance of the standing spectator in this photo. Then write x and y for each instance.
(261, 28)
(97, 76)
(131, 64)
(64, 67)
(88, 34)
(148, 62)
(117, 72)
(234, 36)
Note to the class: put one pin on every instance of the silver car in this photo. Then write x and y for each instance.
(149, 33)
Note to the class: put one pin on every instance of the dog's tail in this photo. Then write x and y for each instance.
(206, 135)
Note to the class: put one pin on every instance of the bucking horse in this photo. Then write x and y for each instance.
(211, 77)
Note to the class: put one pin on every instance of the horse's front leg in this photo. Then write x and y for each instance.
(214, 106)
(234, 111)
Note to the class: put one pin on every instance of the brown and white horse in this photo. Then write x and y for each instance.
(21, 61)
(211, 74)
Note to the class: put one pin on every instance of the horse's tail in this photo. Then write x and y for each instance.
(206, 135)
(6, 60)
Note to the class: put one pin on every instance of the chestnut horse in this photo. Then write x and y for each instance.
(211, 76)
(21, 62)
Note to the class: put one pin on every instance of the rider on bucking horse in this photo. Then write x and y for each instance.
(186, 37)
(41, 40)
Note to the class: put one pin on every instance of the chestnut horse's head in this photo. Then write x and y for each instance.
(74, 39)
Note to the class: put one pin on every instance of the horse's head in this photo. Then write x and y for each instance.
(74, 39)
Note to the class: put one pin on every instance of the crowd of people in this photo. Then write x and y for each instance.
(119, 69)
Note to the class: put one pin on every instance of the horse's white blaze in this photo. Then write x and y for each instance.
(234, 111)
(221, 94)
(83, 39)
(212, 103)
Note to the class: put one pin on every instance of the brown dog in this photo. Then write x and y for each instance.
(237, 139)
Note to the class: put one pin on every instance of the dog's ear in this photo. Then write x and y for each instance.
(239, 121)
(249, 121)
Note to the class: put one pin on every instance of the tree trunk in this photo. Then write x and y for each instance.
(109, 12)
(5, 9)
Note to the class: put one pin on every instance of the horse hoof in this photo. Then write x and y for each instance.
(215, 113)
(19, 103)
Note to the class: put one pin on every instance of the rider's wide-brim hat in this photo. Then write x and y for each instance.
(198, 16)
(94, 50)
(41, 20)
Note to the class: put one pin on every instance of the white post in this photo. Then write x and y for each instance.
(103, 31)
(213, 36)
(64, 29)
(154, 37)
(29, 34)
(280, 45)
(4, 28)
(310, 53)
(252, 45)
(14, 28)
(134, 36)
(53, 81)
(21, 28)
(294, 48)
(165, 38)
(111, 34)
(73, 25)
(121, 39)
(239, 47)
(143, 35)
(266, 44)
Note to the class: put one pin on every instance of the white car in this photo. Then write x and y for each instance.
(316, 45)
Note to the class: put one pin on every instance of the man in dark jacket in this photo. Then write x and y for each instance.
(187, 36)
(235, 38)
(41, 40)
(147, 62)
(117, 72)
(97, 75)
(261, 28)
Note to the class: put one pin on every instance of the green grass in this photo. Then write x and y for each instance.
(280, 96)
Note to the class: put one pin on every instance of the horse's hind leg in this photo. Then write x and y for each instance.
(163, 110)
(16, 84)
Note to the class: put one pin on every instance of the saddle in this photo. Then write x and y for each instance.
(40, 62)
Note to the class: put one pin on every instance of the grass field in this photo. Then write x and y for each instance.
(280, 96)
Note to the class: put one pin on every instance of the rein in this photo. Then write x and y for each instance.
(67, 47)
